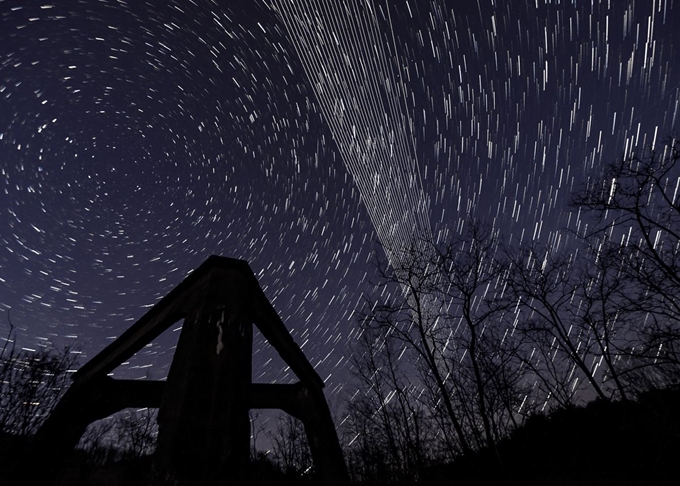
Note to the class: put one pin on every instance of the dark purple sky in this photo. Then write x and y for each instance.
(138, 138)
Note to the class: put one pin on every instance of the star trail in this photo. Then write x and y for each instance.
(138, 138)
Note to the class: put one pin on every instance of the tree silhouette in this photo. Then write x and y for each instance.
(31, 383)
(443, 305)
(635, 211)
(566, 316)
(388, 429)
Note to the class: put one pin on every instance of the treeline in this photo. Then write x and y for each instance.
(475, 358)
(464, 340)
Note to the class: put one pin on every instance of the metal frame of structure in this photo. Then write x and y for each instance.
(204, 427)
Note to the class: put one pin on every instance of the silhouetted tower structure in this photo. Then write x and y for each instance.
(204, 427)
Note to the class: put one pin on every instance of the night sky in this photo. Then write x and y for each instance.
(139, 137)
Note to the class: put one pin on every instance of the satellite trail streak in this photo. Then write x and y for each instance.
(343, 54)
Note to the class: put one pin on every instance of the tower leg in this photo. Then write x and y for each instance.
(322, 438)
(204, 426)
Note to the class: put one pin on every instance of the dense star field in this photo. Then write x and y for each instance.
(139, 137)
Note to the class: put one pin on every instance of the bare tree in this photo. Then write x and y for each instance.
(386, 419)
(605, 314)
(472, 287)
(136, 432)
(556, 322)
(410, 313)
(256, 428)
(635, 211)
(290, 448)
(31, 384)
(97, 443)
(443, 304)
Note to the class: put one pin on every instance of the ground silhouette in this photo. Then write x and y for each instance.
(635, 442)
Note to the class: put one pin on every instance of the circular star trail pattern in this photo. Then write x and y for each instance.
(138, 138)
